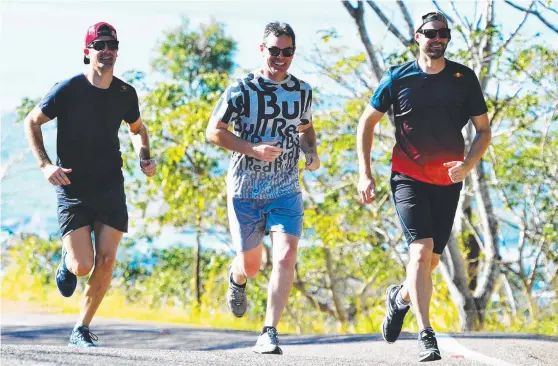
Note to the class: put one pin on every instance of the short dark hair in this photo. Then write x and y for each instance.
(279, 29)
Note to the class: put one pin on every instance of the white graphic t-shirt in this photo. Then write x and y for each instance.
(263, 110)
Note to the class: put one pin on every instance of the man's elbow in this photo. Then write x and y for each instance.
(211, 135)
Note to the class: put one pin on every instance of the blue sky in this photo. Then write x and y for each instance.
(42, 41)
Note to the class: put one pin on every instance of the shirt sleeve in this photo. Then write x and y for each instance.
(382, 100)
(475, 104)
(50, 104)
(306, 117)
(230, 105)
(133, 112)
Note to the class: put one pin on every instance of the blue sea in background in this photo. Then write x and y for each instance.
(28, 201)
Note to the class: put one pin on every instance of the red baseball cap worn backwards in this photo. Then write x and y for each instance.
(98, 30)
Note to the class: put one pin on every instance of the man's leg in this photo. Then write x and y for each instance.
(418, 284)
(246, 264)
(282, 276)
(77, 257)
(79, 251)
(106, 244)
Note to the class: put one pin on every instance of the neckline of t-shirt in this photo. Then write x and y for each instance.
(443, 71)
(95, 87)
(260, 75)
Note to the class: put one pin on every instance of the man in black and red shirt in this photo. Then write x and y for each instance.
(433, 99)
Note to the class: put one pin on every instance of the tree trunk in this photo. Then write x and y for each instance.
(197, 279)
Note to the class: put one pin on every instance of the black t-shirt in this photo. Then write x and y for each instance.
(430, 112)
(87, 136)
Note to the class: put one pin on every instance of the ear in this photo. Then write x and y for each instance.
(86, 51)
(417, 35)
(262, 48)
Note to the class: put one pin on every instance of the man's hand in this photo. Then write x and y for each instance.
(457, 171)
(312, 162)
(366, 189)
(56, 175)
(148, 167)
(266, 151)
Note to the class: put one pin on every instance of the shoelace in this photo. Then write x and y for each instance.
(428, 341)
(273, 336)
(86, 335)
(237, 296)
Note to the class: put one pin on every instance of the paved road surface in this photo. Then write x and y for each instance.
(34, 338)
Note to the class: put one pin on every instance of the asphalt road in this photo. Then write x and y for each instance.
(40, 339)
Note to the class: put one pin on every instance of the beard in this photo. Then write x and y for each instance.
(434, 53)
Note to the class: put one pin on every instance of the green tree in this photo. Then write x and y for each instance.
(188, 193)
(498, 59)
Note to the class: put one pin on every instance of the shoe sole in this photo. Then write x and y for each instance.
(76, 346)
(231, 310)
(56, 276)
(432, 356)
(276, 351)
(385, 318)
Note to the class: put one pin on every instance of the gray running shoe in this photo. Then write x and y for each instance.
(268, 343)
(82, 337)
(428, 347)
(236, 298)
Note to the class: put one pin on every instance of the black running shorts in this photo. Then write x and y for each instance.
(425, 210)
(108, 207)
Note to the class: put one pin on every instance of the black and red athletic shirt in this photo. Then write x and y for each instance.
(430, 112)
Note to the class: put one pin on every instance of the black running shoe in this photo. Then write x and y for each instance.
(428, 346)
(393, 322)
(66, 281)
(82, 337)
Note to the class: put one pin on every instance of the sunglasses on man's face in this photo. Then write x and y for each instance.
(431, 33)
(275, 51)
(101, 45)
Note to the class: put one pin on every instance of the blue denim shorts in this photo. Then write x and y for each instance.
(251, 219)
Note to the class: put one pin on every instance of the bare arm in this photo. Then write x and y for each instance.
(365, 137)
(217, 133)
(140, 141)
(482, 140)
(307, 136)
(458, 170)
(32, 124)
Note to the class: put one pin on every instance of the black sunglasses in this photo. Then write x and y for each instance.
(431, 33)
(275, 51)
(100, 45)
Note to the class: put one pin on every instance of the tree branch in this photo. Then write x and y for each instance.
(357, 14)
(390, 27)
(408, 18)
(512, 36)
(535, 13)
(449, 18)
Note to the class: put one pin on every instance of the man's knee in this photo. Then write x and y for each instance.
(420, 252)
(105, 261)
(287, 256)
(80, 267)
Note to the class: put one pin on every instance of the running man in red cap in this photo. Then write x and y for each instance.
(433, 99)
(87, 175)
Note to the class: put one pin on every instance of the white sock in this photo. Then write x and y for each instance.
(400, 301)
